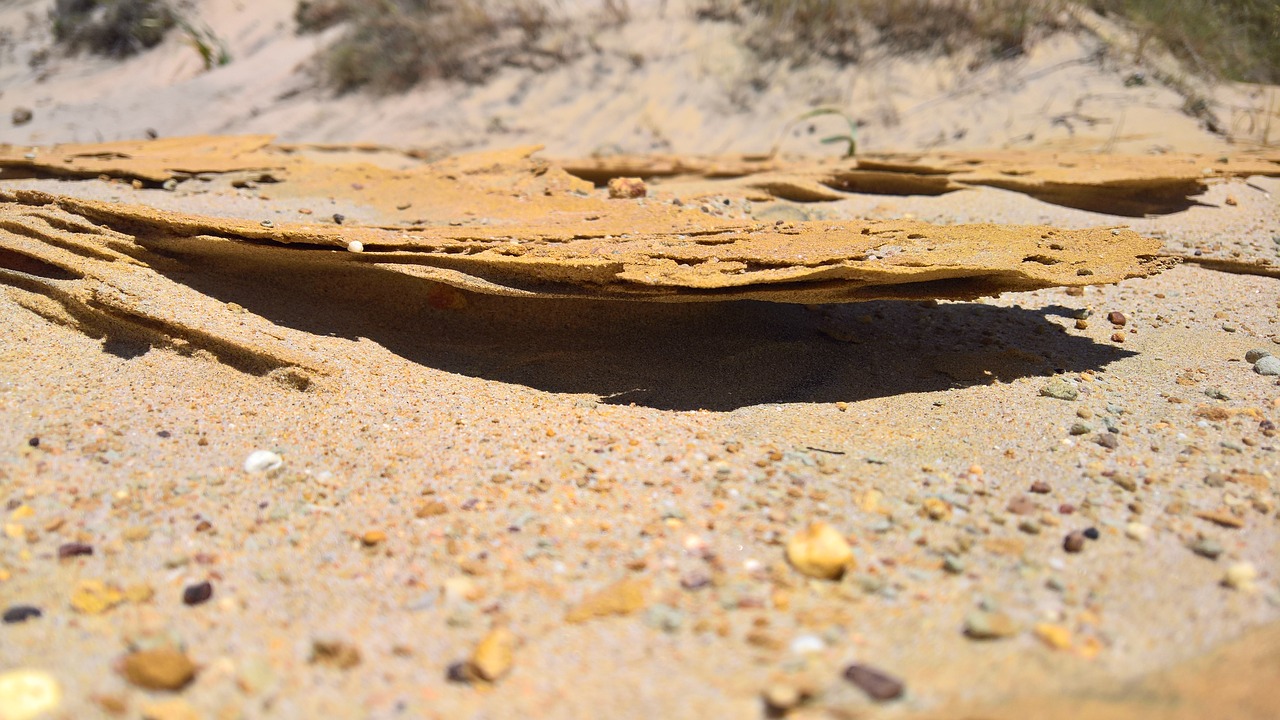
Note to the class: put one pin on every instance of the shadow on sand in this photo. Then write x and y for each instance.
(669, 356)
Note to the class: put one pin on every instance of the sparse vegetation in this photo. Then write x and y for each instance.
(116, 28)
(1233, 39)
(390, 45)
(843, 30)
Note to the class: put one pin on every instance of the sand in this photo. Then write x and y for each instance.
(613, 482)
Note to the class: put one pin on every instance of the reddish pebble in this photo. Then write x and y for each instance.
(1074, 542)
(875, 683)
(1040, 487)
(1066, 508)
(1021, 505)
(197, 594)
(70, 550)
(1117, 318)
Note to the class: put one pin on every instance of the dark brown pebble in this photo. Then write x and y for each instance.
(34, 442)
(21, 613)
(339, 217)
(1074, 542)
(1108, 440)
(1040, 487)
(459, 672)
(1092, 533)
(70, 550)
(198, 593)
(875, 683)
(1117, 318)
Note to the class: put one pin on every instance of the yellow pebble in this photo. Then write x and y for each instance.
(819, 551)
(1055, 636)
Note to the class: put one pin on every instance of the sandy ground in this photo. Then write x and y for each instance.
(616, 483)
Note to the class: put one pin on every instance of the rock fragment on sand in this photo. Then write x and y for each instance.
(1060, 389)
(1073, 542)
(983, 625)
(1207, 547)
(162, 668)
(621, 598)
(494, 656)
(1055, 636)
(627, 188)
(1241, 576)
(21, 614)
(94, 597)
(1269, 365)
(877, 684)
(334, 653)
(262, 461)
(1256, 354)
(1137, 531)
(819, 551)
(27, 694)
(197, 593)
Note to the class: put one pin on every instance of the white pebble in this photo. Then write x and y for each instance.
(807, 644)
(28, 694)
(262, 461)
(1137, 531)
(355, 246)
(1240, 576)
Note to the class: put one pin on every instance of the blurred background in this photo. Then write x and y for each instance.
(599, 77)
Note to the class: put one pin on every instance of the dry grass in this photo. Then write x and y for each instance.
(1232, 39)
(843, 30)
(391, 45)
(117, 28)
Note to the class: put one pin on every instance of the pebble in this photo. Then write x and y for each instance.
(1256, 354)
(1125, 482)
(494, 656)
(981, 625)
(1073, 542)
(1269, 365)
(627, 188)
(1108, 440)
(73, 549)
(197, 594)
(28, 694)
(94, 597)
(1241, 576)
(1060, 389)
(877, 684)
(621, 598)
(1092, 533)
(162, 668)
(1021, 505)
(952, 564)
(807, 645)
(781, 697)
(1080, 428)
(262, 461)
(1041, 487)
(334, 653)
(373, 538)
(1207, 547)
(355, 246)
(1225, 519)
(21, 613)
(1055, 636)
(819, 551)
(936, 509)
(1117, 318)
(1137, 531)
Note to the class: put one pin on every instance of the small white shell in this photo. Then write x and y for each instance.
(262, 461)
